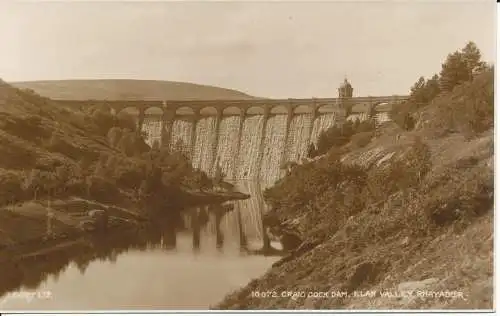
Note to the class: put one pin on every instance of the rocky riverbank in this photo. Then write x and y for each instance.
(26, 227)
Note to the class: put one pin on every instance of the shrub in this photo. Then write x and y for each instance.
(403, 173)
(59, 144)
(362, 139)
(469, 109)
(337, 136)
(104, 120)
(465, 195)
(14, 154)
(126, 121)
(11, 184)
(29, 127)
(103, 190)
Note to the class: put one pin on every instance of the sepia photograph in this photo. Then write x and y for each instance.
(247, 155)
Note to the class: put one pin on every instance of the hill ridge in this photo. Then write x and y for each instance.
(129, 89)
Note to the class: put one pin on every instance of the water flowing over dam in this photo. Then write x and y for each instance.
(246, 139)
(244, 150)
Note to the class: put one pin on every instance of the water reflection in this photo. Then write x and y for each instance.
(232, 230)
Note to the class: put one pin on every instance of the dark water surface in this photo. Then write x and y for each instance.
(190, 267)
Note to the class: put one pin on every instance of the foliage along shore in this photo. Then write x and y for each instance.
(63, 163)
(411, 209)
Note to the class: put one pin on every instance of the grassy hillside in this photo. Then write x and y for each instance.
(412, 210)
(78, 161)
(116, 89)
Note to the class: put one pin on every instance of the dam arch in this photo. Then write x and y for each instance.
(152, 110)
(185, 113)
(255, 110)
(327, 108)
(303, 109)
(279, 109)
(232, 111)
(129, 111)
(382, 106)
(209, 111)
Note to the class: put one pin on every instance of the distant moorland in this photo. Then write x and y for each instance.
(123, 89)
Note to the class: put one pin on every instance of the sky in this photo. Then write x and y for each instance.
(278, 49)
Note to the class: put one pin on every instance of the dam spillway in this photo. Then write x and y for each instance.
(227, 146)
(248, 139)
(252, 147)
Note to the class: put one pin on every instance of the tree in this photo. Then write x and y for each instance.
(423, 91)
(125, 145)
(432, 88)
(32, 182)
(126, 120)
(50, 182)
(104, 120)
(417, 86)
(12, 189)
(63, 175)
(472, 58)
(204, 181)
(453, 72)
(365, 126)
(114, 136)
(409, 122)
(312, 151)
(88, 185)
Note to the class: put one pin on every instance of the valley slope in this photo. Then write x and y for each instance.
(125, 89)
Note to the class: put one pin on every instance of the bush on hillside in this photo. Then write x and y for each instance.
(114, 135)
(126, 121)
(58, 143)
(14, 154)
(360, 140)
(29, 127)
(73, 157)
(309, 180)
(103, 190)
(132, 144)
(104, 120)
(83, 122)
(31, 97)
(403, 117)
(469, 109)
(12, 191)
(402, 173)
(469, 195)
(338, 136)
(462, 73)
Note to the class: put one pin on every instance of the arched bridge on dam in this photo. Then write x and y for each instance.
(245, 138)
(196, 108)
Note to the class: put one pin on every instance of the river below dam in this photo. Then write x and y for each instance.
(193, 267)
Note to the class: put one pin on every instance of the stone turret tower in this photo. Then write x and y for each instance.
(345, 90)
(345, 94)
